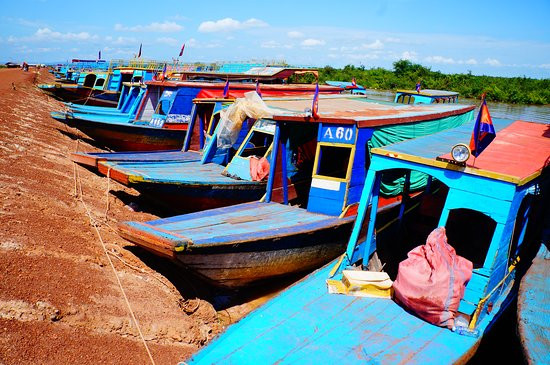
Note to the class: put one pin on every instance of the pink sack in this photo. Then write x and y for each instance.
(259, 168)
(431, 281)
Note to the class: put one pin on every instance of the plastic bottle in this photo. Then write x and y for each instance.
(465, 331)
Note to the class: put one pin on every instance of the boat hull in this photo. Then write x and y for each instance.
(128, 136)
(253, 262)
(186, 198)
(533, 319)
(82, 95)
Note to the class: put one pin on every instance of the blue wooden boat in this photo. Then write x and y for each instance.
(100, 88)
(490, 210)
(158, 120)
(318, 166)
(198, 181)
(204, 117)
(533, 299)
(131, 93)
(349, 86)
(425, 96)
(166, 109)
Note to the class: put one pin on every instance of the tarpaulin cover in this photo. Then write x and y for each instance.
(231, 119)
(431, 281)
(393, 185)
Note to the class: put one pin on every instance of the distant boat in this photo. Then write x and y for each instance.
(425, 96)
(490, 210)
(247, 243)
(160, 121)
(98, 88)
(204, 118)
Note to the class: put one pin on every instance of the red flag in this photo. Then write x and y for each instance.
(181, 51)
(484, 131)
(315, 105)
(164, 72)
(139, 53)
(226, 89)
(258, 88)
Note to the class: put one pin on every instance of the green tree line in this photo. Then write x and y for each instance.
(405, 75)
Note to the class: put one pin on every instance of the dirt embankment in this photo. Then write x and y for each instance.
(60, 299)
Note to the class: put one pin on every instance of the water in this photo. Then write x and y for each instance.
(535, 113)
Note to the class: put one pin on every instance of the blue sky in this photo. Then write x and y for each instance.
(500, 38)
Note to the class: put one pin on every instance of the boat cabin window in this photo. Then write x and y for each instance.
(163, 108)
(449, 99)
(89, 80)
(99, 83)
(405, 99)
(333, 161)
(125, 77)
(406, 216)
(137, 79)
(257, 144)
(470, 233)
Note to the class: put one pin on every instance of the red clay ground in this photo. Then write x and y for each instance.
(60, 301)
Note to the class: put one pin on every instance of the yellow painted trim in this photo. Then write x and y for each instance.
(350, 163)
(337, 266)
(241, 147)
(482, 301)
(135, 179)
(448, 166)
(348, 173)
(209, 131)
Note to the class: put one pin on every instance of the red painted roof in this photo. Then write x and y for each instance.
(522, 149)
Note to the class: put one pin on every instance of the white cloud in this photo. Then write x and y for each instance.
(274, 44)
(295, 34)
(48, 34)
(165, 27)
(409, 55)
(441, 59)
(121, 40)
(374, 45)
(230, 24)
(254, 23)
(392, 40)
(168, 41)
(310, 42)
(492, 62)
(354, 56)
(545, 65)
(471, 61)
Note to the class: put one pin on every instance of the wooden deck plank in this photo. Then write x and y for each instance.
(327, 328)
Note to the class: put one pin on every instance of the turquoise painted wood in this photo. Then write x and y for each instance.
(306, 324)
(533, 313)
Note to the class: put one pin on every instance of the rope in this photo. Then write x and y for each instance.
(93, 223)
(107, 193)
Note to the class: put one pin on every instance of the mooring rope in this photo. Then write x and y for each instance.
(108, 189)
(94, 223)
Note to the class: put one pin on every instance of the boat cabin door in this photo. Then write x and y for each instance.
(332, 168)
(174, 107)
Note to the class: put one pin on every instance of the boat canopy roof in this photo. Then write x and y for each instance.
(429, 92)
(363, 112)
(267, 73)
(518, 154)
